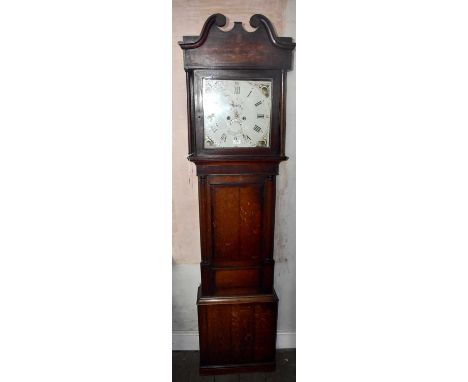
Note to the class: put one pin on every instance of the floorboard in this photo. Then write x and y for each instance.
(253, 377)
(285, 367)
(185, 369)
(227, 378)
(181, 365)
(194, 374)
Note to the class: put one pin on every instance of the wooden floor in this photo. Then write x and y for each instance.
(185, 369)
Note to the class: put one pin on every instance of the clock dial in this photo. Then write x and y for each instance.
(236, 113)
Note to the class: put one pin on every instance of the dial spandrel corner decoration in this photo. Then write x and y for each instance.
(236, 113)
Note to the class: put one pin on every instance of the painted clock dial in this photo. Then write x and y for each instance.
(236, 113)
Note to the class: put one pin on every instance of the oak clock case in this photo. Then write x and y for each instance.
(236, 93)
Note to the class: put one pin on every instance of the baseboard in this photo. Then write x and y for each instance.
(185, 340)
(285, 340)
(188, 340)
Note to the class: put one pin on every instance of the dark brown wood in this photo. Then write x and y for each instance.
(237, 305)
(237, 333)
(215, 48)
(216, 166)
(191, 135)
(237, 231)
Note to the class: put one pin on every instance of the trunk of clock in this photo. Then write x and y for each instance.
(237, 209)
(237, 333)
(237, 305)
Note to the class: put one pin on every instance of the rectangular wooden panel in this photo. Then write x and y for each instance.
(226, 219)
(211, 55)
(219, 328)
(237, 222)
(237, 331)
(239, 278)
(242, 333)
(265, 329)
(250, 220)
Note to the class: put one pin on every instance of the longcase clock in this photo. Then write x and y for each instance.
(236, 102)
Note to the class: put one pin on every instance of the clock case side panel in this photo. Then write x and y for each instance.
(190, 111)
(207, 280)
(197, 122)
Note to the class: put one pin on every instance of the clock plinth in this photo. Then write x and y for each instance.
(237, 332)
(236, 86)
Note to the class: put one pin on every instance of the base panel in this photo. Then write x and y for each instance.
(237, 333)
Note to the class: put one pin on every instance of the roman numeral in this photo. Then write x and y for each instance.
(260, 115)
(249, 93)
(258, 103)
(257, 128)
(247, 138)
(237, 89)
(223, 137)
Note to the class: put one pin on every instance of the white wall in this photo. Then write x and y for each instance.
(186, 273)
(285, 226)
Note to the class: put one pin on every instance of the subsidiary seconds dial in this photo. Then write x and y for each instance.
(236, 113)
